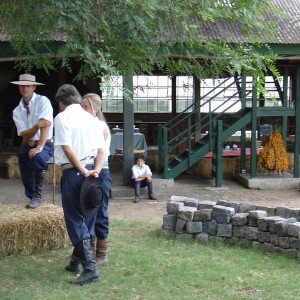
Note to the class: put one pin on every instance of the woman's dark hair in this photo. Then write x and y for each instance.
(67, 94)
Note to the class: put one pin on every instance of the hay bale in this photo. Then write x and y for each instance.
(13, 171)
(53, 174)
(26, 231)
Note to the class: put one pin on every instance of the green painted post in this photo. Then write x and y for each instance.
(253, 132)
(243, 130)
(128, 122)
(297, 125)
(284, 104)
(217, 154)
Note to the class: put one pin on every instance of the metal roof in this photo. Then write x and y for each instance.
(287, 26)
(287, 29)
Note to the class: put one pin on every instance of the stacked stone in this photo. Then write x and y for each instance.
(273, 229)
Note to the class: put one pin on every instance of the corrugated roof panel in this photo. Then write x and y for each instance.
(287, 29)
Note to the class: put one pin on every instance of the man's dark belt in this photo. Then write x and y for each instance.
(32, 143)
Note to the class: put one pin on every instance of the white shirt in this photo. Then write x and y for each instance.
(40, 108)
(143, 171)
(108, 140)
(79, 129)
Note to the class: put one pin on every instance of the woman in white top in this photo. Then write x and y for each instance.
(92, 103)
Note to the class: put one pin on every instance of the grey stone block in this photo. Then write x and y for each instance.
(257, 244)
(222, 214)
(274, 239)
(224, 230)
(281, 211)
(178, 198)
(209, 227)
(263, 236)
(185, 237)
(294, 229)
(251, 233)
(283, 242)
(294, 213)
(270, 210)
(167, 233)
(203, 214)
(271, 223)
(180, 226)
(244, 208)
(244, 243)
(252, 222)
(169, 222)
(186, 213)
(256, 214)
(238, 231)
(174, 206)
(233, 205)
(268, 247)
(191, 202)
(206, 204)
(221, 202)
(281, 226)
(193, 227)
(262, 224)
(294, 243)
(202, 238)
(240, 219)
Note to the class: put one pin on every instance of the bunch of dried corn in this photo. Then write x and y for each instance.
(274, 156)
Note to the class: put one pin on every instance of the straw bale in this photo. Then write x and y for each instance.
(230, 167)
(13, 171)
(25, 231)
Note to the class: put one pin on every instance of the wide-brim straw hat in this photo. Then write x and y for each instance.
(26, 79)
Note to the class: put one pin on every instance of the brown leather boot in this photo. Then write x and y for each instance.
(101, 253)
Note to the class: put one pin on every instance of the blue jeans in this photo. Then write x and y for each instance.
(28, 166)
(79, 228)
(102, 220)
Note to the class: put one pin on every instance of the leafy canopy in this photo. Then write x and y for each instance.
(113, 37)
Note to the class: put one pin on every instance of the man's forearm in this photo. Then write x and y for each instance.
(29, 133)
(43, 136)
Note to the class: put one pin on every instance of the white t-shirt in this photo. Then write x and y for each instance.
(137, 171)
(79, 129)
(108, 140)
(40, 108)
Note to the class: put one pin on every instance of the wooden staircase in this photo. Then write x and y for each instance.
(181, 149)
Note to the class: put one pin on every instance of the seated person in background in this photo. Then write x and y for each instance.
(141, 177)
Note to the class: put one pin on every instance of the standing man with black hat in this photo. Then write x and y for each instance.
(34, 121)
(80, 150)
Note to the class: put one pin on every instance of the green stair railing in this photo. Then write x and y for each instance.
(180, 141)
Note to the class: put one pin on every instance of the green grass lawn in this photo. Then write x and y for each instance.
(144, 265)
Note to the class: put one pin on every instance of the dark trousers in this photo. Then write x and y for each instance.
(28, 166)
(79, 228)
(102, 220)
(141, 183)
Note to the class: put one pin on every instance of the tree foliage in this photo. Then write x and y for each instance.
(136, 36)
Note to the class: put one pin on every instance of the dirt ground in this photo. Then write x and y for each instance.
(11, 192)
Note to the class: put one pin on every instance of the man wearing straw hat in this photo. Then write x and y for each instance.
(34, 121)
